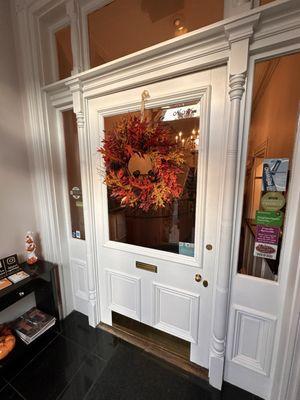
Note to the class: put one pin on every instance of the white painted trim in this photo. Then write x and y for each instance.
(293, 387)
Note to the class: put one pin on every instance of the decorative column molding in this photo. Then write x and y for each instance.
(239, 34)
(86, 181)
(72, 10)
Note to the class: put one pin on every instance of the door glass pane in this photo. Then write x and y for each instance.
(64, 52)
(73, 174)
(264, 2)
(125, 26)
(275, 103)
(170, 227)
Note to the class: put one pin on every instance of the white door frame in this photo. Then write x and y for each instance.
(269, 27)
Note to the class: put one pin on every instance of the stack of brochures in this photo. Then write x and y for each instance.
(33, 324)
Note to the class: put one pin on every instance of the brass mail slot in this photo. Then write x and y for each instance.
(146, 267)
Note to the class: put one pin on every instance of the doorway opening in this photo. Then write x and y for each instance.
(152, 263)
(174, 350)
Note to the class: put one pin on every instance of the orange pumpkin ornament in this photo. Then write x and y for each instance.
(7, 341)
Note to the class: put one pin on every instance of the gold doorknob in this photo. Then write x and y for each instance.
(198, 278)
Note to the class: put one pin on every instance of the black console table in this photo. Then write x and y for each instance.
(43, 281)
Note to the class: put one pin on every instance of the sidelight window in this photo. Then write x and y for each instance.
(73, 175)
(275, 107)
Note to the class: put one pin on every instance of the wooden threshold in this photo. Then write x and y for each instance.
(155, 349)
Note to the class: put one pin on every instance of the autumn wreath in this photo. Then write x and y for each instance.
(142, 164)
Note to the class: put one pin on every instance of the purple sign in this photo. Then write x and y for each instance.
(266, 241)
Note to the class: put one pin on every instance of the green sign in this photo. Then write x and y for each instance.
(269, 218)
(272, 201)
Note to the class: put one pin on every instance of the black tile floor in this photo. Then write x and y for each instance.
(77, 362)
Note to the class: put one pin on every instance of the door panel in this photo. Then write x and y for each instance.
(169, 299)
(259, 286)
(124, 294)
(176, 312)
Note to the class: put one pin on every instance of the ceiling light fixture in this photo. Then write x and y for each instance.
(180, 29)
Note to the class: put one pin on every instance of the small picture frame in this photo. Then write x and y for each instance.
(9, 266)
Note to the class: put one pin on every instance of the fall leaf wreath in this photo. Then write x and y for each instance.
(142, 164)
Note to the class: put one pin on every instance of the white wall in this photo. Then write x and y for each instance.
(16, 197)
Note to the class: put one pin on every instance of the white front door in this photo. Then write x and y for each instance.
(178, 241)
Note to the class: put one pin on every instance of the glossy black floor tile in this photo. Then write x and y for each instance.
(77, 362)
(51, 371)
(76, 328)
(22, 354)
(83, 380)
(230, 392)
(2, 383)
(9, 393)
(133, 374)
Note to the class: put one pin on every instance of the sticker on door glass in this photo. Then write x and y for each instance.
(269, 218)
(266, 241)
(187, 249)
(275, 172)
(272, 201)
(190, 111)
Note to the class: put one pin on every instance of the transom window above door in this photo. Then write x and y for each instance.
(164, 215)
(123, 27)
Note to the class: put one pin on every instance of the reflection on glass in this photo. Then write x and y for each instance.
(275, 103)
(64, 52)
(125, 26)
(170, 228)
(73, 174)
(264, 2)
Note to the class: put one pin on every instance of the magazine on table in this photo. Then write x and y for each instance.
(33, 324)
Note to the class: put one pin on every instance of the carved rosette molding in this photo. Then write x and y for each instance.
(239, 34)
